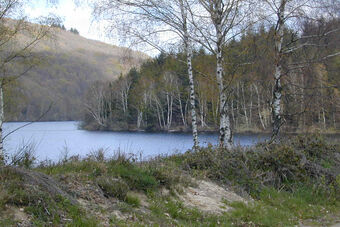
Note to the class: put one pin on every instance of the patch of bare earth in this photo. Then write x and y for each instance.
(209, 197)
(18, 215)
(92, 199)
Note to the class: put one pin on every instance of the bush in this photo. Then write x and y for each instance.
(284, 165)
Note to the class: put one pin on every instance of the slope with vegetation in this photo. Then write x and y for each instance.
(69, 64)
(295, 182)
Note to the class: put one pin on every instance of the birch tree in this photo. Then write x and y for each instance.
(151, 18)
(283, 14)
(217, 22)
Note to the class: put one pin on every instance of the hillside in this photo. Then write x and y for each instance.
(69, 64)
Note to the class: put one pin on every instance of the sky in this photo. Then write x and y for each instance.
(80, 17)
(72, 17)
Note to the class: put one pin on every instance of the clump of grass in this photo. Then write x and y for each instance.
(113, 187)
(136, 177)
(132, 200)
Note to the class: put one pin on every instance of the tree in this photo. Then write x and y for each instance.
(16, 57)
(284, 14)
(145, 18)
(224, 23)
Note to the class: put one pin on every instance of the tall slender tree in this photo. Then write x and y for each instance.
(166, 17)
(216, 23)
(285, 14)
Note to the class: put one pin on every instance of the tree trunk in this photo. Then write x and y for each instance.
(245, 106)
(188, 50)
(225, 126)
(139, 118)
(259, 107)
(2, 153)
(181, 109)
(277, 91)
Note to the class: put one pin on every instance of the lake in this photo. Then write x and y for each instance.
(51, 139)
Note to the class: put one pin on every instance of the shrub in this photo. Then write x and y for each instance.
(283, 165)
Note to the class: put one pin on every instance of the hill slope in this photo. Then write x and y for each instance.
(70, 63)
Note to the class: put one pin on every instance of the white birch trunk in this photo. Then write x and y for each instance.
(2, 153)
(259, 106)
(277, 90)
(225, 139)
(244, 106)
(188, 50)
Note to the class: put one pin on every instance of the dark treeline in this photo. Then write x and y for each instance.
(156, 96)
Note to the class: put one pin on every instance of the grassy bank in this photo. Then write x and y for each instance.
(292, 183)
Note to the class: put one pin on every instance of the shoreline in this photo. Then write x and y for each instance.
(188, 130)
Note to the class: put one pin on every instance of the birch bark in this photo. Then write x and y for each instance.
(277, 90)
(225, 138)
(2, 153)
(188, 50)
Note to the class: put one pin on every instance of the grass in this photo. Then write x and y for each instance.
(133, 200)
(39, 205)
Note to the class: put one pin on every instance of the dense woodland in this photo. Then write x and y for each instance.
(156, 96)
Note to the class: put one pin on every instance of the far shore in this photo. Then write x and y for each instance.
(200, 130)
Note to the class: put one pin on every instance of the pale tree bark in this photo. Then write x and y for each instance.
(277, 91)
(94, 103)
(192, 94)
(226, 138)
(180, 103)
(218, 22)
(244, 105)
(2, 153)
(188, 50)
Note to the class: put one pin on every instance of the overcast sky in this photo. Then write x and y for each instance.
(80, 17)
(72, 16)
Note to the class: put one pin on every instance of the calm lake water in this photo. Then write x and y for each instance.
(52, 138)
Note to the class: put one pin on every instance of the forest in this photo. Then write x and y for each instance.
(156, 96)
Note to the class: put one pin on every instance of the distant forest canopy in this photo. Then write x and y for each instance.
(156, 97)
(61, 26)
